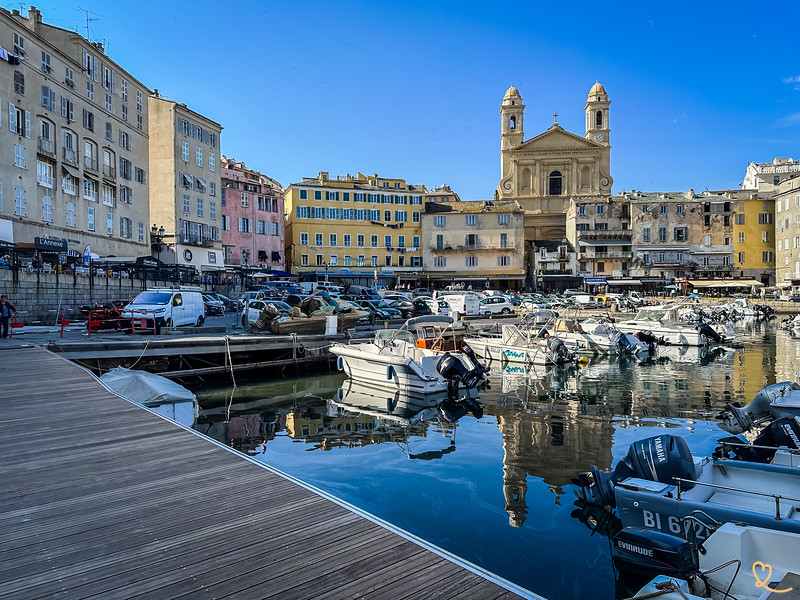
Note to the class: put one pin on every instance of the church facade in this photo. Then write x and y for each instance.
(555, 170)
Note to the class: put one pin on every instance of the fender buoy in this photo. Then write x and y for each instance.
(389, 372)
(339, 363)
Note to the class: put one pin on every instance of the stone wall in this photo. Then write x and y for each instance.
(37, 296)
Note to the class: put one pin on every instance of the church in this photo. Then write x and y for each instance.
(548, 172)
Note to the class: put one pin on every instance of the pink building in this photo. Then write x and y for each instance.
(252, 218)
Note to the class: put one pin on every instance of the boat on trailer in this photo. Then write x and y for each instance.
(424, 356)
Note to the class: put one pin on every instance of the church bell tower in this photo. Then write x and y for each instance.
(597, 124)
(511, 114)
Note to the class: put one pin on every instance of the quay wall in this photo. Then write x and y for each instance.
(37, 296)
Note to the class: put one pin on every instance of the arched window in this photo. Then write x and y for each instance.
(512, 122)
(555, 183)
(599, 119)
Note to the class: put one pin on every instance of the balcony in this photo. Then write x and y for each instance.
(70, 156)
(90, 164)
(44, 180)
(46, 147)
(609, 234)
(605, 255)
(466, 248)
(69, 188)
(109, 172)
(711, 268)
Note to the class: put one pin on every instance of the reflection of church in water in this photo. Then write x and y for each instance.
(555, 444)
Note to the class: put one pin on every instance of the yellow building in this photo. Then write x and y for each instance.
(754, 237)
(354, 229)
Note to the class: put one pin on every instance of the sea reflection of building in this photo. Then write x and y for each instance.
(551, 440)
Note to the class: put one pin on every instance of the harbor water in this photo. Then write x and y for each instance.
(491, 478)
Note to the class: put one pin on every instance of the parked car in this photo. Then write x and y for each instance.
(213, 306)
(254, 308)
(496, 305)
(380, 309)
(226, 302)
(411, 308)
(794, 298)
(438, 307)
(421, 292)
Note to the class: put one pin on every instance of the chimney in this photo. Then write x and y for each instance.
(34, 19)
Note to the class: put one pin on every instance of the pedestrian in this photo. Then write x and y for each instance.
(6, 312)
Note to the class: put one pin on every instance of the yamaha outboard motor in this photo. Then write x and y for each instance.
(662, 458)
(783, 432)
(737, 419)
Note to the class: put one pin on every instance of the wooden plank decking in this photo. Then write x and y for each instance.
(101, 498)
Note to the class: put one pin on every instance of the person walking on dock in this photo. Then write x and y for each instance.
(6, 312)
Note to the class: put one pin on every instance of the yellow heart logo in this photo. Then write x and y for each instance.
(763, 573)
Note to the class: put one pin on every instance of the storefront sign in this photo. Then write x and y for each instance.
(49, 245)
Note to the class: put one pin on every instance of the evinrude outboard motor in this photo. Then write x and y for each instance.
(639, 554)
(455, 372)
(737, 419)
(710, 333)
(662, 458)
(561, 353)
(782, 432)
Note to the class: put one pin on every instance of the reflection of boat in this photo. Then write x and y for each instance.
(515, 345)
(417, 358)
(394, 406)
(658, 482)
(163, 396)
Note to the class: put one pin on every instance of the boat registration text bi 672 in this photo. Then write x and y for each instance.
(672, 524)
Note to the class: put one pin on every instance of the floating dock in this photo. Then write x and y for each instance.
(104, 498)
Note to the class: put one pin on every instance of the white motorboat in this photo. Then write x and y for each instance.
(737, 561)
(771, 402)
(515, 345)
(664, 322)
(418, 358)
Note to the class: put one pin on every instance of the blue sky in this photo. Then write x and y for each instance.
(413, 89)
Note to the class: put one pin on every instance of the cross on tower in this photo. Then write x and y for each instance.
(555, 117)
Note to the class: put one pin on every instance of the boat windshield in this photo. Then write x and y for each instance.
(651, 314)
(386, 335)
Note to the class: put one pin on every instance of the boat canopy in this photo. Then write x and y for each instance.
(429, 319)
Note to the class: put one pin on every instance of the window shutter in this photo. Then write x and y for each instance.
(45, 96)
(27, 124)
(94, 68)
(85, 59)
(12, 122)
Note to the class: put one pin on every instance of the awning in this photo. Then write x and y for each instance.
(724, 283)
(283, 274)
(604, 243)
(276, 255)
(211, 268)
(70, 170)
(262, 255)
(633, 282)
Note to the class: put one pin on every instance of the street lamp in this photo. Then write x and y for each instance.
(325, 264)
(157, 235)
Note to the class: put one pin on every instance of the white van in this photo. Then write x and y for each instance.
(170, 307)
(460, 302)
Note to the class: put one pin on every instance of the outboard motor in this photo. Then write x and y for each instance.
(783, 432)
(561, 353)
(455, 372)
(639, 554)
(710, 333)
(737, 419)
(662, 458)
(651, 340)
